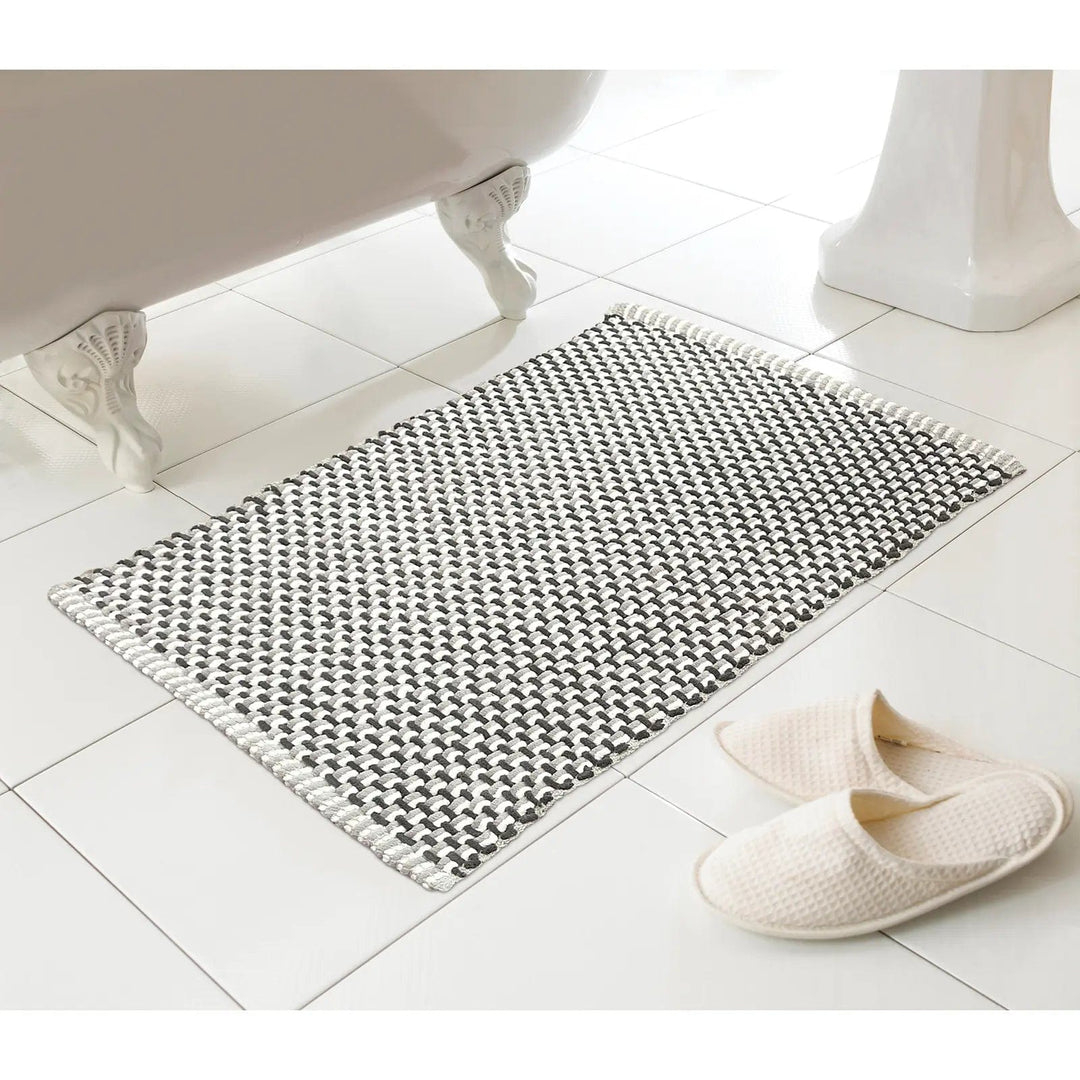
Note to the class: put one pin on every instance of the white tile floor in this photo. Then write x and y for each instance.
(145, 862)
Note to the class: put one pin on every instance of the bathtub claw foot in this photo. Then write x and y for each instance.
(475, 219)
(91, 373)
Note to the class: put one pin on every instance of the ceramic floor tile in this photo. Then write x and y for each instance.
(398, 293)
(69, 940)
(267, 896)
(45, 469)
(1016, 576)
(600, 214)
(1028, 378)
(633, 103)
(12, 363)
(603, 913)
(490, 351)
(309, 251)
(222, 367)
(834, 198)
(758, 271)
(222, 477)
(174, 303)
(809, 125)
(62, 689)
(1013, 941)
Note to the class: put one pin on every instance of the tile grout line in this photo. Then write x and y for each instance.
(983, 633)
(979, 520)
(945, 971)
(775, 205)
(848, 333)
(762, 203)
(803, 352)
(93, 742)
(653, 131)
(809, 217)
(464, 892)
(183, 498)
(44, 412)
(159, 482)
(184, 307)
(674, 176)
(592, 276)
(801, 349)
(675, 806)
(676, 243)
(1069, 452)
(97, 870)
(923, 393)
(494, 320)
(285, 314)
(407, 364)
(63, 513)
(759, 204)
(336, 337)
(149, 319)
(822, 178)
(13, 790)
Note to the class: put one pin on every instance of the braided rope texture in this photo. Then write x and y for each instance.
(434, 635)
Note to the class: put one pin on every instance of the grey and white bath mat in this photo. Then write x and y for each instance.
(433, 636)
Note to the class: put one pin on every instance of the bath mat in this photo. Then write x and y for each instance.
(433, 636)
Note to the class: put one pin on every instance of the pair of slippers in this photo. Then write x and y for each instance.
(896, 820)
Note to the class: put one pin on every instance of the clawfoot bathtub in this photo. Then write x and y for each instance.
(120, 189)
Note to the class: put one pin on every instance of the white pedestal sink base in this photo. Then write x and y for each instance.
(962, 224)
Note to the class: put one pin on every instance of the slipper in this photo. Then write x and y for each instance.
(802, 754)
(858, 861)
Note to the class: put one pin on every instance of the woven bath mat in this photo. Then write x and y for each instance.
(434, 635)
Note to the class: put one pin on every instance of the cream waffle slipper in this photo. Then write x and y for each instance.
(858, 861)
(802, 754)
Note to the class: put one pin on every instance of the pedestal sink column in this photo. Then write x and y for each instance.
(962, 224)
